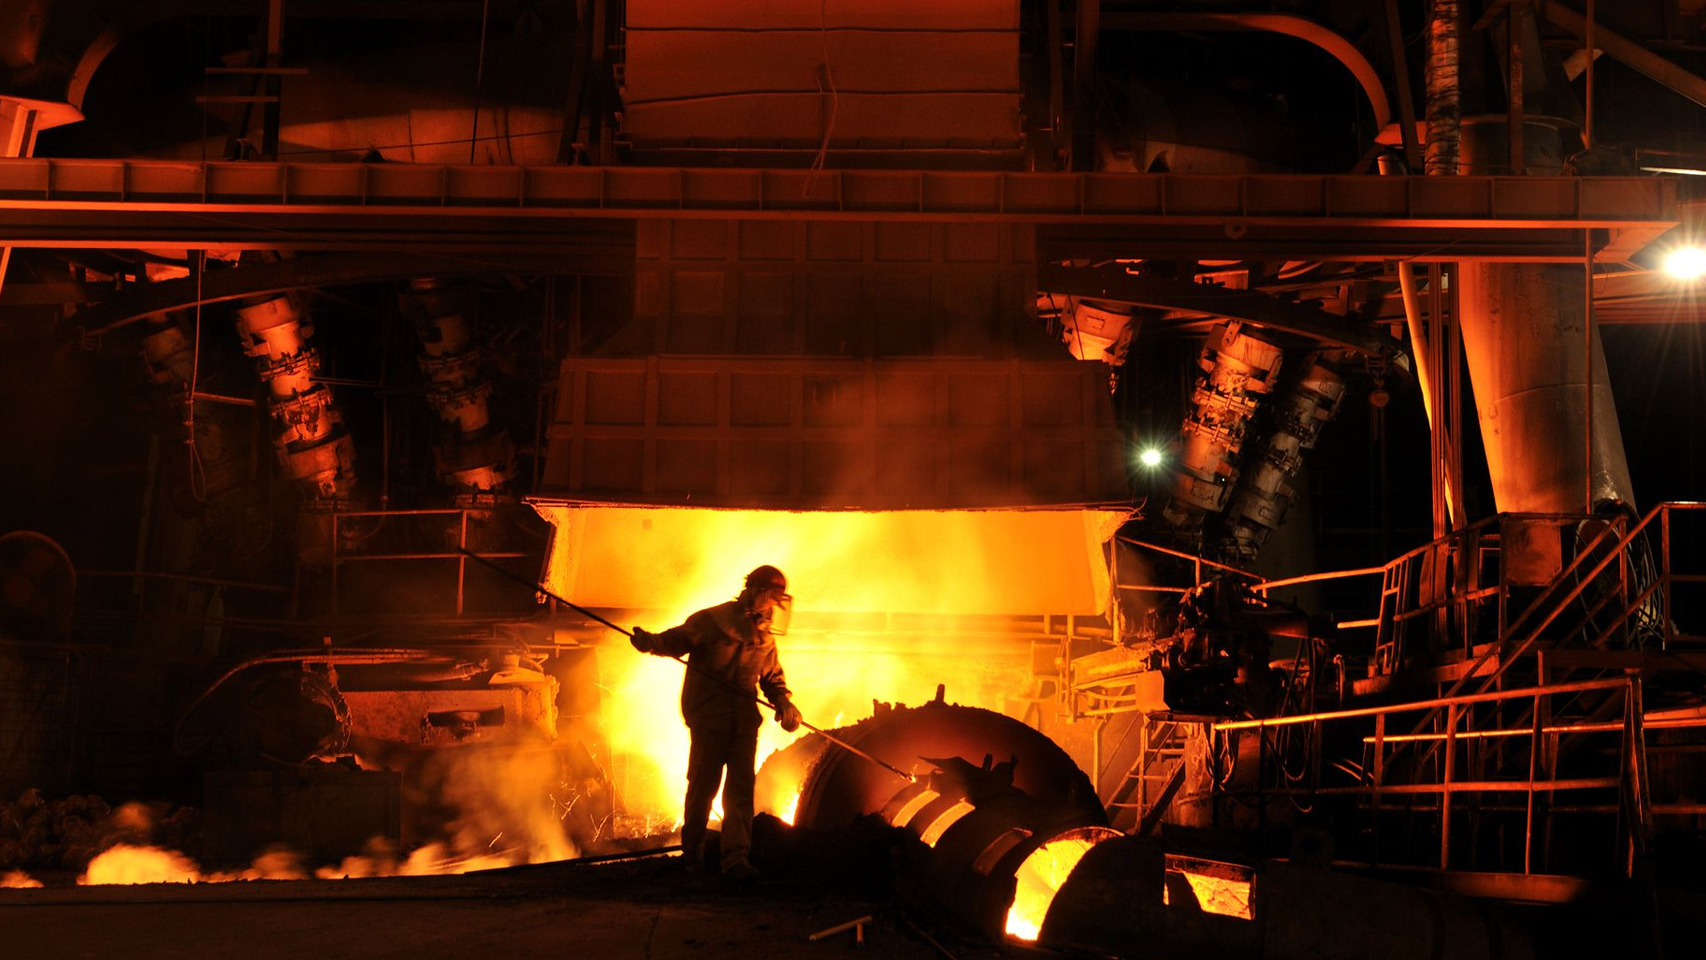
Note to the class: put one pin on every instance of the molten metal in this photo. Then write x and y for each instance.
(1041, 876)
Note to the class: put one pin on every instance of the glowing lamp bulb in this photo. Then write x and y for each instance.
(1686, 263)
(1150, 457)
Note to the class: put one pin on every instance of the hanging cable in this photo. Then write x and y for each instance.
(828, 77)
(198, 479)
(479, 77)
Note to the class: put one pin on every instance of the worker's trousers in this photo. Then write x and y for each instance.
(716, 746)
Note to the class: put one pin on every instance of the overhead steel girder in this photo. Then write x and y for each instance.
(505, 209)
(1115, 283)
(140, 301)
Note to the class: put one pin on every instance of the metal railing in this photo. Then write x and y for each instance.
(1453, 594)
(347, 541)
(1464, 773)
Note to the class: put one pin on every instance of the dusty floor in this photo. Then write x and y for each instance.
(646, 909)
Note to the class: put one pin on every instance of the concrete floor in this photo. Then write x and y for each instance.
(645, 910)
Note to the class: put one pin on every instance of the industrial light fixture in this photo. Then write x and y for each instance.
(1686, 263)
(1151, 457)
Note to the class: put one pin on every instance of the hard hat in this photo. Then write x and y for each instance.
(766, 578)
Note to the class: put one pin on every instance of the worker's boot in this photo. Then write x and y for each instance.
(740, 870)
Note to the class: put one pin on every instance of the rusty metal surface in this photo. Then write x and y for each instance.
(796, 433)
(839, 787)
(408, 716)
(839, 75)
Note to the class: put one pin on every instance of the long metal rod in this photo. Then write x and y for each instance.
(518, 578)
(1434, 704)
(1609, 726)
(1401, 86)
(1588, 373)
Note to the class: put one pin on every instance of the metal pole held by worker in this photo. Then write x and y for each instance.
(518, 578)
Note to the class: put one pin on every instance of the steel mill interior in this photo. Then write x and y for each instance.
(1238, 467)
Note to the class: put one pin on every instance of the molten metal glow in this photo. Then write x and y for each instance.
(910, 809)
(899, 561)
(940, 825)
(792, 807)
(431, 860)
(1223, 895)
(18, 880)
(1040, 877)
(670, 562)
(128, 864)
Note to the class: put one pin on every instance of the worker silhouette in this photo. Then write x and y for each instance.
(730, 650)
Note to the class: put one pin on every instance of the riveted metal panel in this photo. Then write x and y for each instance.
(764, 76)
(810, 433)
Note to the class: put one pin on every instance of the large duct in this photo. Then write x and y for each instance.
(1264, 492)
(215, 464)
(1527, 337)
(1237, 369)
(1444, 98)
(313, 445)
(474, 456)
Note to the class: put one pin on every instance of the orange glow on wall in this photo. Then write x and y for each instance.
(665, 563)
(962, 562)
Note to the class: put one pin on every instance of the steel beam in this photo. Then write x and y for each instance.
(1115, 283)
(298, 273)
(504, 209)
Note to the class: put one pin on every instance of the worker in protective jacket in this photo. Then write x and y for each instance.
(730, 650)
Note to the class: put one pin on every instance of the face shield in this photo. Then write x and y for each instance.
(779, 614)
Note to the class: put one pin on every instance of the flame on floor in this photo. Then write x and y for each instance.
(18, 880)
(130, 864)
(1041, 876)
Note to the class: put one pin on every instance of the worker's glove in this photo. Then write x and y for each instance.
(788, 716)
(643, 641)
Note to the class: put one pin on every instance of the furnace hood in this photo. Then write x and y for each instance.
(953, 562)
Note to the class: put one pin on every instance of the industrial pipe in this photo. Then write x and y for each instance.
(308, 429)
(1264, 493)
(1237, 369)
(474, 455)
(1444, 98)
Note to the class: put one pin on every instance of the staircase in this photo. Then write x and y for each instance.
(1143, 771)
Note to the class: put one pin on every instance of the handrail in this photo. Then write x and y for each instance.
(1437, 702)
(1203, 561)
(1533, 635)
(1558, 608)
(1267, 585)
(1448, 780)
